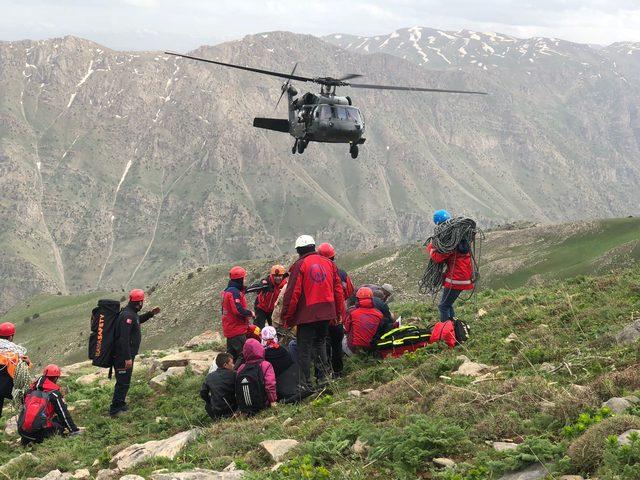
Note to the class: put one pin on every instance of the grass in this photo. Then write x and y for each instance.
(418, 409)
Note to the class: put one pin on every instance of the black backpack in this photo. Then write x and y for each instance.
(103, 326)
(461, 330)
(250, 393)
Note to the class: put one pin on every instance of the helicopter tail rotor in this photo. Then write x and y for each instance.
(285, 86)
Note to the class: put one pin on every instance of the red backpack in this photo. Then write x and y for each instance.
(33, 416)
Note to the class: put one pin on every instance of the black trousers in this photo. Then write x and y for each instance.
(6, 387)
(234, 346)
(262, 318)
(123, 382)
(312, 346)
(334, 348)
(41, 435)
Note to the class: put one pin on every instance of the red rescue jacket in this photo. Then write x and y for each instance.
(266, 299)
(459, 274)
(314, 292)
(235, 316)
(362, 323)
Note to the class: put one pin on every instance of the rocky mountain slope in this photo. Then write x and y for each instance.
(190, 300)
(548, 385)
(119, 168)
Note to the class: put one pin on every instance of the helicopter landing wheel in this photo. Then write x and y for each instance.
(301, 146)
(354, 151)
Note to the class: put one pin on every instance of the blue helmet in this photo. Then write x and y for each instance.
(441, 216)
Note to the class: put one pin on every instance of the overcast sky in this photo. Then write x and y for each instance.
(184, 25)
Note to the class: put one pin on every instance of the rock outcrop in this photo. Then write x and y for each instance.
(168, 448)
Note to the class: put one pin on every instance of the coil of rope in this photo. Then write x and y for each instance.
(445, 239)
(21, 383)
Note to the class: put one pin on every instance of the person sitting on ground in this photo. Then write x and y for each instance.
(364, 324)
(381, 298)
(235, 315)
(255, 380)
(274, 353)
(45, 412)
(218, 390)
(10, 356)
(268, 289)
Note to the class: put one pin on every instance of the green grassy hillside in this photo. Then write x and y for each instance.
(545, 395)
(190, 300)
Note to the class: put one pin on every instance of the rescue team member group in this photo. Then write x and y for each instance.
(313, 298)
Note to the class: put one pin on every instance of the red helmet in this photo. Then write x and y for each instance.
(51, 371)
(364, 292)
(253, 331)
(136, 295)
(327, 250)
(236, 273)
(7, 329)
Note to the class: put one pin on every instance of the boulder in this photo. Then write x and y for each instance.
(131, 477)
(367, 391)
(56, 475)
(82, 474)
(199, 367)
(167, 448)
(536, 471)
(106, 474)
(354, 393)
(182, 359)
(100, 376)
(159, 382)
(442, 462)
(205, 338)
(472, 369)
(619, 405)
(277, 449)
(630, 333)
(504, 446)
(230, 468)
(11, 428)
(623, 439)
(22, 460)
(198, 474)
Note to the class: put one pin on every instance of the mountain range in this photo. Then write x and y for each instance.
(119, 168)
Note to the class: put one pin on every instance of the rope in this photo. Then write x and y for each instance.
(21, 382)
(445, 239)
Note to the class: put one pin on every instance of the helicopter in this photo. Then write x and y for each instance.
(320, 117)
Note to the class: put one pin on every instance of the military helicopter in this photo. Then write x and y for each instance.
(320, 117)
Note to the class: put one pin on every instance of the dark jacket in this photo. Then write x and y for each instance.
(314, 292)
(218, 391)
(128, 334)
(279, 358)
(6, 383)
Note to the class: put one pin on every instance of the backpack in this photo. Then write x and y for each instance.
(461, 330)
(33, 415)
(250, 392)
(101, 338)
(452, 332)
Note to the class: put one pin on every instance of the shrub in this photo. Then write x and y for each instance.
(621, 461)
(584, 421)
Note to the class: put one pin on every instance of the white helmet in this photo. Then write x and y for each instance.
(305, 241)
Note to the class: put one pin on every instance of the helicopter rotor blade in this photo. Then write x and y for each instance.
(411, 89)
(249, 69)
(285, 87)
(349, 76)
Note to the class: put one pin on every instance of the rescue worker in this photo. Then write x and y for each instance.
(313, 299)
(219, 388)
(459, 272)
(44, 396)
(363, 324)
(235, 315)
(127, 338)
(268, 289)
(336, 330)
(10, 355)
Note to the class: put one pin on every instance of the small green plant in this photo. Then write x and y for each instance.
(301, 468)
(584, 421)
(621, 461)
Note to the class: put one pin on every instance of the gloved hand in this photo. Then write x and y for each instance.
(155, 310)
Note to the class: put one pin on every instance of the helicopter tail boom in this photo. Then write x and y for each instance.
(276, 124)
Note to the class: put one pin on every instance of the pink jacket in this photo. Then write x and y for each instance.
(253, 352)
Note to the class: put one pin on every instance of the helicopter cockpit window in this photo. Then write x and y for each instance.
(324, 112)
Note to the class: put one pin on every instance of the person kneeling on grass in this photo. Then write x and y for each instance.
(45, 412)
(218, 390)
(255, 380)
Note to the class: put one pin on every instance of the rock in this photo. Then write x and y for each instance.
(534, 472)
(277, 466)
(56, 475)
(205, 338)
(182, 359)
(22, 460)
(81, 474)
(482, 312)
(629, 334)
(159, 382)
(199, 367)
(89, 378)
(106, 474)
(503, 446)
(199, 474)
(95, 463)
(444, 462)
(11, 428)
(82, 403)
(512, 337)
(472, 369)
(623, 439)
(367, 391)
(547, 367)
(75, 368)
(618, 405)
(132, 477)
(354, 393)
(277, 449)
(359, 447)
(571, 477)
(230, 468)
(287, 421)
(167, 448)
